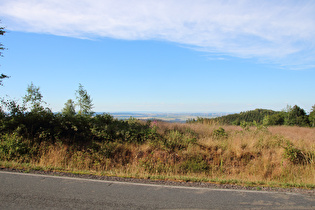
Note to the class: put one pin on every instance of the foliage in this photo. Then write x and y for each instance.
(33, 97)
(293, 116)
(69, 109)
(12, 146)
(275, 119)
(297, 116)
(297, 156)
(105, 127)
(2, 76)
(177, 140)
(195, 164)
(32, 121)
(2, 32)
(312, 116)
(236, 119)
(84, 101)
(219, 133)
(72, 129)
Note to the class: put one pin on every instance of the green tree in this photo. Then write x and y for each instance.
(275, 119)
(312, 116)
(297, 116)
(33, 97)
(84, 101)
(69, 108)
(2, 76)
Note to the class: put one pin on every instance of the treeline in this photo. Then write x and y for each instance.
(32, 120)
(292, 116)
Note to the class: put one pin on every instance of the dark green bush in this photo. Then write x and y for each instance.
(106, 128)
(219, 133)
(12, 146)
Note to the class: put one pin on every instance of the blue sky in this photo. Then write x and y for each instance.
(165, 56)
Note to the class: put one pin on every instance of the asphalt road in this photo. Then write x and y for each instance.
(31, 191)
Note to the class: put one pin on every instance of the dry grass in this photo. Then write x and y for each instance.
(254, 155)
(301, 136)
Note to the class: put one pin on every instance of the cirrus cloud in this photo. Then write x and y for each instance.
(278, 32)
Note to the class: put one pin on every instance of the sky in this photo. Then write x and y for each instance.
(162, 56)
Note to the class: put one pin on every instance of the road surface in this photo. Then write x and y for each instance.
(32, 191)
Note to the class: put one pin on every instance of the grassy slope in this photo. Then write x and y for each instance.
(274, 156)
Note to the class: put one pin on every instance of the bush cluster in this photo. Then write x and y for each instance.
(298, 156)
(47, 126)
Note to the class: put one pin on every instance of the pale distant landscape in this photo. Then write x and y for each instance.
(168, 117)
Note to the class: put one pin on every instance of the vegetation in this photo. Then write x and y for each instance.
(84, 101)
(2, 76)
(312, 117)
(256, 115)
(292, 116)
(32, 136)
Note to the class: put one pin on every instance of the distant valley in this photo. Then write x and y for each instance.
(170, 117)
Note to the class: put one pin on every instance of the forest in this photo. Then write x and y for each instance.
(291, 116)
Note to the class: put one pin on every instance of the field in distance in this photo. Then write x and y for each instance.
(169, 117)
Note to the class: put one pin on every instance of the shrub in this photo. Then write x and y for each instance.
(176, 140)
(12, 146)
(298, 156)
(105, 128)
(245, 125)
(219, 133)
(194, 164)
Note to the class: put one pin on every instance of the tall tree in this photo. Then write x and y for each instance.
(297, 116)
(84, 101)
(34, 97)
(69, 109)
(2, 76)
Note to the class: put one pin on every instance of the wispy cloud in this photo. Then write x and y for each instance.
(280, 32)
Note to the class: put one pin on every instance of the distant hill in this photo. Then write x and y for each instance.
(235, 119)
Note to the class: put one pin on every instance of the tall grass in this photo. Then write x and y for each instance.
(281, 155)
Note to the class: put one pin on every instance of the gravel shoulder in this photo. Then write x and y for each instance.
(165, 182)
